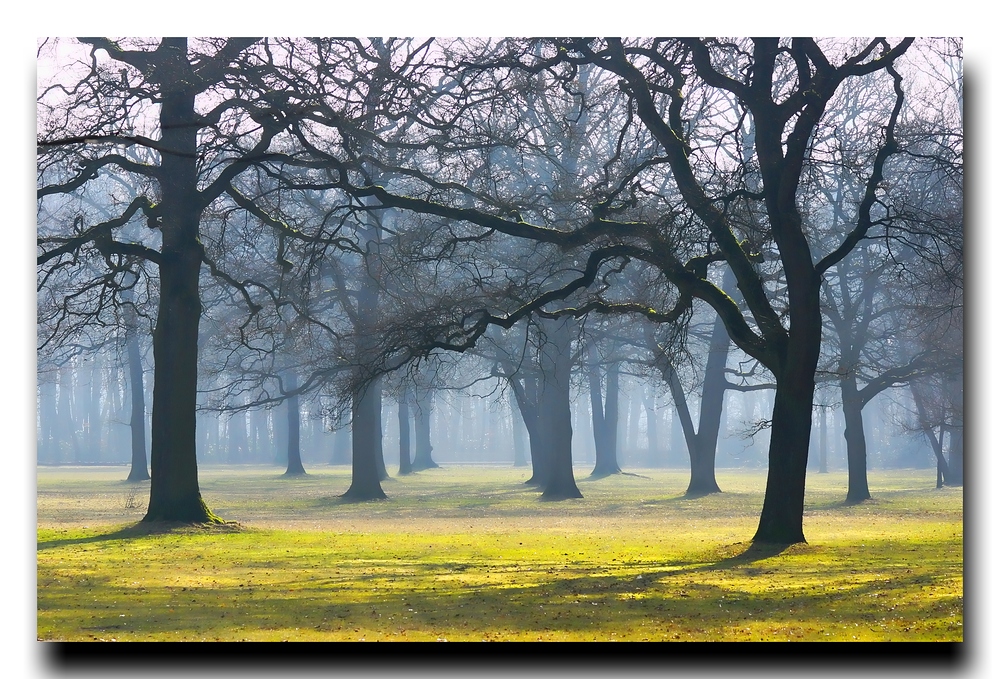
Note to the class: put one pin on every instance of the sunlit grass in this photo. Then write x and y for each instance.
(469, 553)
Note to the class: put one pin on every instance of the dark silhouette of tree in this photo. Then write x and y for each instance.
(206, 113)
(784, 88)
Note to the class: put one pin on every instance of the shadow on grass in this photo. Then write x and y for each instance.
(588, 604)
(143, 529)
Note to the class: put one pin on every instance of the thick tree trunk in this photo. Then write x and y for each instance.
(857, 447)
(555, 417)
(295, 467)
(422, 430)
(137, 424)
(403, 418)
(791, 418)
(174, 494)
(788, 455)
(366, 435)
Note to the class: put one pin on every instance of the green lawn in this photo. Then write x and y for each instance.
(469, 553)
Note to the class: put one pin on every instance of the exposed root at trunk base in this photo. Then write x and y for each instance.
(701, 492)
(557, 495)
(193, 514)
(351, 497)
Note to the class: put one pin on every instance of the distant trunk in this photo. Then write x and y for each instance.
(702, 480)
(528, 405)
(95, 450)
(517, 432)
(366, 436)
(383, 473)
(261, 443)
(236, 432)
(295, 467)
(956, 456)
(823, 468)
(422, 429)
(555, 417)
(66, 426)
(713, 394)
(604, 415)
(403, 418)
(137, 423)
(943, 473)
(652, 439)
(48, 445)
(936, 442)
(857, 447)
(81, 400)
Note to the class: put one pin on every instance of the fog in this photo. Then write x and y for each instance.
(573, 255)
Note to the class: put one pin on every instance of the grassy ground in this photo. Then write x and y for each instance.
(469, 553)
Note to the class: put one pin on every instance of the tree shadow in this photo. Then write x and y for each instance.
(143, 529)
(756, 551)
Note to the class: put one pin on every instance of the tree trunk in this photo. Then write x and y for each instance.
(937, 442)
(530, 410)
(295, 467)
(48, 444)
(174, 494)
(517, 433)
(137, 424)
(366, 435)
(405, 464)
(956, 456)
(236, 432)
(791, 418)
(422, 430)
(383, 473)
(823, 469)
(604, 415)
(652, 440)
(713, 395)
(94, 439)
(857, 447)
(555, 417)
(702, 481)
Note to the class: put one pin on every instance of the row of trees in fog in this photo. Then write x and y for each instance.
(306, 230)
(84, 417)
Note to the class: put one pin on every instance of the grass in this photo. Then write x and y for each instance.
(469, 553)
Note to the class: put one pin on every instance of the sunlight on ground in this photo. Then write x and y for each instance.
(468, 553)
